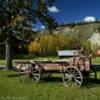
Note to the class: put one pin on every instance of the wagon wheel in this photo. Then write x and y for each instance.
(36, 72)
(33, 73)
(25, 74)
(72, 76)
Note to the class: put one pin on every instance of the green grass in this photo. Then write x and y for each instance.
(96, 60)
(11, 88)
(2, 62)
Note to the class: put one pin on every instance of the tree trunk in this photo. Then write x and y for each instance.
(8, 54)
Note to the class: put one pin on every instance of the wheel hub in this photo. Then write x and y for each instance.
(71, 77)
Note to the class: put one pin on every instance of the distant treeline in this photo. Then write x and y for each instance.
(72, 24)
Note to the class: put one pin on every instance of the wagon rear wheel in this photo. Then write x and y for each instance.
(72, 76)
(36, 72)
(25, 75)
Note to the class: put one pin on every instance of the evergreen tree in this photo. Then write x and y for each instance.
(18, 17)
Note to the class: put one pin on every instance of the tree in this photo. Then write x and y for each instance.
(18, 17)
(48, 45)
(34, 48)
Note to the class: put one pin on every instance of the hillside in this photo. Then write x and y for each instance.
(74, 29)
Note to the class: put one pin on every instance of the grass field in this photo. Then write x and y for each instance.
(11, 88)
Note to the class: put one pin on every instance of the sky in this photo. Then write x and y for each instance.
(66, 11)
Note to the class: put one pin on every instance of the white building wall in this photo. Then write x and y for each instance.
(95, 40)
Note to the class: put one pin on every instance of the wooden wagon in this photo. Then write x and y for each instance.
(73, 70)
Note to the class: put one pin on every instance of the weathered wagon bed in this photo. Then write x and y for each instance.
(36, 70)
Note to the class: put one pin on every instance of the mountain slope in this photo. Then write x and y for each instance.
(74, 29)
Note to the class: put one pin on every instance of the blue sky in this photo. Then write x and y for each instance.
(73, 10)
(66, 11)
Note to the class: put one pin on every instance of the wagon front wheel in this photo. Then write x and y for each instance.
(72, 76)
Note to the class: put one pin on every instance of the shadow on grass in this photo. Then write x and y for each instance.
(58, 79)
(89, 83)
(96, 81)
(13, 75)
(52, 79)
(2, 67)
(7, 73)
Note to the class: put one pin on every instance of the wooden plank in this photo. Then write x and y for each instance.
(67, 53)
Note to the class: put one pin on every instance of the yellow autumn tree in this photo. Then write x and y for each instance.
(65, 42)
(48, 45)
(34, 48)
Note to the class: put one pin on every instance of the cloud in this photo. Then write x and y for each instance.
(89, 19)
(53, 9)
(42, 27)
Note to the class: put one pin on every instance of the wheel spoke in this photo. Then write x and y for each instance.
(68, 82)
(77, 77)
(35, 74)
(76, 74)
(36, 78)
(73, 72)
(35, 70)
(68, 72)
(78, 81)
(67, 75)
(70, 69)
